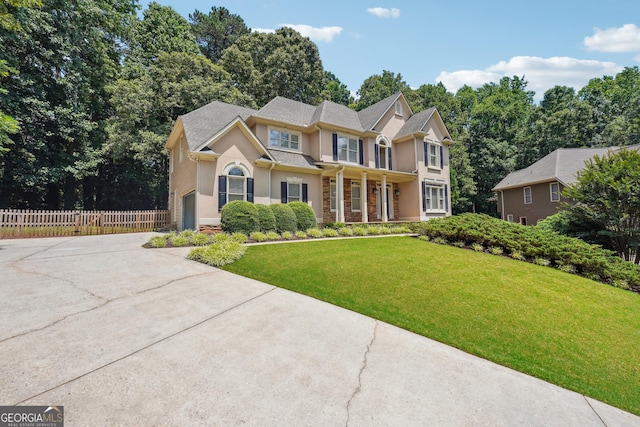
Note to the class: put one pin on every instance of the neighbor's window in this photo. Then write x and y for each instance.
(554, 188)
(355, 196)
(284, 139)
(434, 197)
(236, 185)
(332, 190)
(347, 149)
(510, 218)
(527, 195)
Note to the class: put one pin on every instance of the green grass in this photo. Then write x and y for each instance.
(559, 327)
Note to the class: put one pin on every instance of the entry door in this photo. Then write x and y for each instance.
(189, 211)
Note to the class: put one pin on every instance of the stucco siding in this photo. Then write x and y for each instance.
(182, 179)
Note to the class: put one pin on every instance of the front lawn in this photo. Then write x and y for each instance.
(562, 328)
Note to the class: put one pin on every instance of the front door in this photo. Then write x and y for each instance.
(389, 201)
(189, 211)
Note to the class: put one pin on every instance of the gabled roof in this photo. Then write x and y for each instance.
(202, 124)
(370, 116)
(561, 165)
(338, 115)
(416, 123)
(287, 111)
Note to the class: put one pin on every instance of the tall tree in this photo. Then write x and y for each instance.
(66, 55)
(216, 31)
(284, 63)
(146, 108)
(607, 195)
(378, 87)
(334, 90)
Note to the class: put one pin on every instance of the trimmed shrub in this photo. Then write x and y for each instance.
(272, 235)
(330, 232)
(258, 236)
(301, 235)
(305, 215)
(199, 239)
(335, 225)
(239, 237)
(239, 216)
(158, 242)
(266, 219)
(360, 231)
(218, 254)
(285, 218)
(314, 232)
(287, 235)
(374, 230)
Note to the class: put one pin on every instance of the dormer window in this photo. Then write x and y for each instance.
(284, 139)
(398, 108)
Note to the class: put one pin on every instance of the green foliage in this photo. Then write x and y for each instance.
(287, 235)
(533, 243)
(329, 232)
(179, 241)
(272, 235)
(314, 232)
(335, 225)
(378, 87)
(158, 242)
(495, 250)
(606, 195)
(477, 247)
(334, 90)
(286, 219)
(360, 231)
(305, 215)
(258, 236)
(187, 233)
(301, 234)
(266, 218)
(345, 231)
(220, 237)
(216, 31)
(374, 230)
(239, 216)
(218, 254)
(239, 237)
(199, 239)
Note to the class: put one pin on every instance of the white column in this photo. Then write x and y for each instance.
(385, 217)
(363, 198)
(340, 195)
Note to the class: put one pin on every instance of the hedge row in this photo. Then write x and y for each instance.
(245, 217)
(535, 245)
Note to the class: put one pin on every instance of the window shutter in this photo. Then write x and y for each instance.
(250, 190)
(441, 157)
(361, 148)
(283, 192)
(424, 196)
(377, 148)
(446, 198)
(389, 156)
(222, 191)
(305, 193)
(335, 147)
(426, 153)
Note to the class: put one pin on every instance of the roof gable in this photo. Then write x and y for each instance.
(370, 116)
(338, 115)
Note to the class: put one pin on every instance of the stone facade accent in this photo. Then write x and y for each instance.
(330, 216)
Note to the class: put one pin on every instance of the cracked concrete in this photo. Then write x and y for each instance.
(130, 336)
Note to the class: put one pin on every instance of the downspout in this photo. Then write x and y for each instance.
(319, 141)
(273, 165)
(502, 203)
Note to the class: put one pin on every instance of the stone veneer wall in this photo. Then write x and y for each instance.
(329, 216)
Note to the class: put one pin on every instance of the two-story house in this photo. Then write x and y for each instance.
(381, 164)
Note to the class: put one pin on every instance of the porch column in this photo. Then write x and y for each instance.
(363, 196)
(340, 195)
(385, 217)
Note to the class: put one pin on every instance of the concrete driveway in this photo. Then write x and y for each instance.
(121, 335)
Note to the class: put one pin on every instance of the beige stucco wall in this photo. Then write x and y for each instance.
(404, 156)
(182, 179)
(410, 203)
(314, 187)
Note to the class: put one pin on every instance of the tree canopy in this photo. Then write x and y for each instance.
(216, 31)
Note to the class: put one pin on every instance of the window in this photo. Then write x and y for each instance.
(348, 149)
(527, 195)
(284, 139)
(434, 198)
(523, 220)
(398, 108)
(355, 196)
(433, 155)
(383, 154)
(294, 194)
(510, 217)
(554, 188)
(236, 185)
(333, 200)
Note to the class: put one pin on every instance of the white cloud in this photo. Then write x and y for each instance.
(623, 39)
(383, 12)
(317, 34)
(541, 74)
(264, 30)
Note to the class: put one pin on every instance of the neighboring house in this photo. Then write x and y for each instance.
(530, 195)
(380, 164)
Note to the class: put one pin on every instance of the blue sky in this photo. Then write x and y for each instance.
(561, 42)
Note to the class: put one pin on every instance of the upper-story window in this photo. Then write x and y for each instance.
(398, 108)
(527, 195)
(279, 138)
(433, 154)
(348, 149)
(554, 189)
(236, 183)
(383, 154)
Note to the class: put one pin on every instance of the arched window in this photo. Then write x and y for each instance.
(234, 184)
(383, 153)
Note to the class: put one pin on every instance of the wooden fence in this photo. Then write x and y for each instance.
(42, 223)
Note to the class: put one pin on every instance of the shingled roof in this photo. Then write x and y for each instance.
(337, 115)
(371, 115)
(288, 111)
(416, 123)
(205, 122)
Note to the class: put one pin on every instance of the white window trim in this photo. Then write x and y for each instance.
(398, 108)
(246, 173)
(348, 137)
(551, 192)
(440, 194)
(356, 184)
(437, 145)
(510, 217)
(383, 143)
(294, 184)
(290, 132)
(333, 183)
(524, 195)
